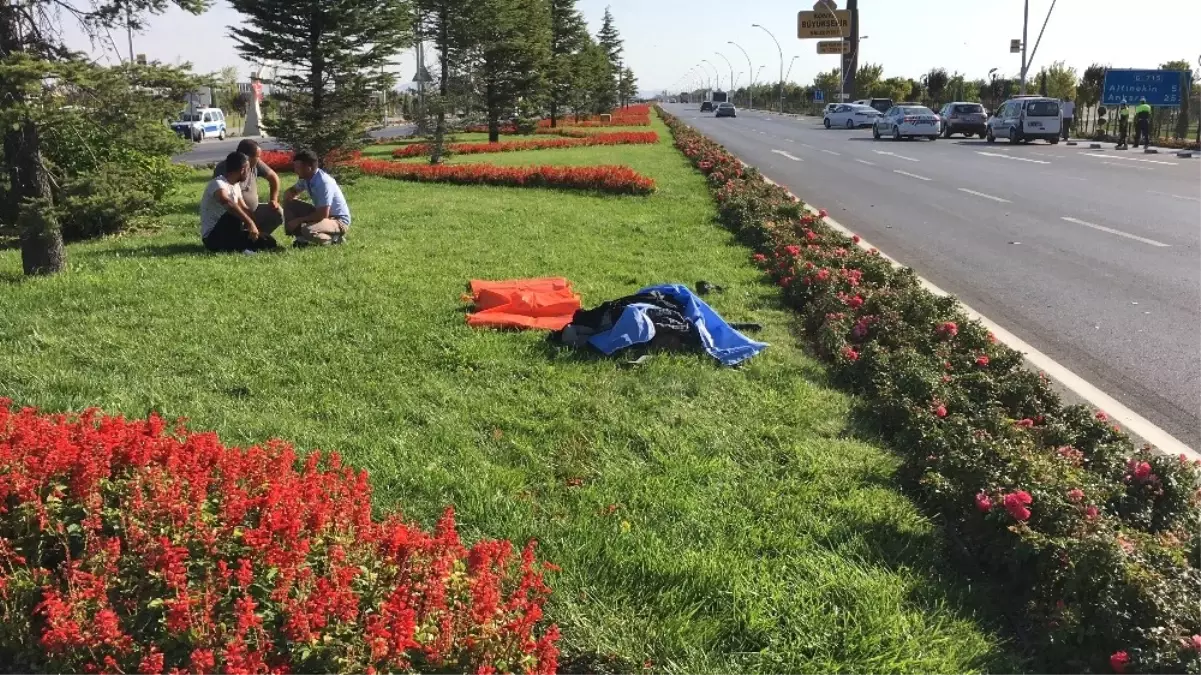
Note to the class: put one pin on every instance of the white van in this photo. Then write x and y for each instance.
(1026, 118)
(200, 123)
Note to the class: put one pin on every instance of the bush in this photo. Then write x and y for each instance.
(611, 179)
(115, 195)
(619, 138)
(126, 547)
(1095, 543)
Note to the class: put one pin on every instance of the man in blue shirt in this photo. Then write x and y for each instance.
(326, 220)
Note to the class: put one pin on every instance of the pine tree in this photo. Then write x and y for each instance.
(611, 43)
(336, 54)
(451, 26)
(512, 55)
(568, 34)
(31, 50)
(629, 87)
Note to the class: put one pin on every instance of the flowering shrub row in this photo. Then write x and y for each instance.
(281, 160)
(619, 138)
(1096, 543)
(128, 547)
(1161, 142)
(612, 179)
(631, 116)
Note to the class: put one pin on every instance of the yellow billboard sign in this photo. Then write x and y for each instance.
(834, 47)
(823, 24)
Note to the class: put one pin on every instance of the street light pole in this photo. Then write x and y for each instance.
(1025, 24)
(789, 75)
(781, 50)
(715, 72)
(723, 56)
(750, 92)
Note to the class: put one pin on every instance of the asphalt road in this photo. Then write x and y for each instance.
(1091, 256)
(213, 151)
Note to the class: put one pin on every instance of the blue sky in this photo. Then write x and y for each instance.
(665, 38)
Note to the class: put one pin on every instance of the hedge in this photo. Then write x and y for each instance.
(1094, 543)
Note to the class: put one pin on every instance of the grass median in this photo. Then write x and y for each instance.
(705, 519)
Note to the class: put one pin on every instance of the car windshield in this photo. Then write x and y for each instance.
(1042, 108)
(863, 108)
(917, 110)
(189, 117)
(725, 105)
(968, 109)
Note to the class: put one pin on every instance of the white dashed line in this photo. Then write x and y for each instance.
(911, 175)
(1129, 159)
(1127, 166)
(1117, 232)
(807, 146)
(893, 154)
(981, 194)
(789, 156)
(1016, 159)
(864, 161)
(1165, 194)
(831, 152)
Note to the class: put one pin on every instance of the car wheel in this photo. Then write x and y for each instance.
(1054, 141)
(988, 135)
(982, 135)
(875, 132)
(221, 135)
(826, 122)
(935, 138)
(850, 123)
(896, 133)
(1013, 136)
(946, 132)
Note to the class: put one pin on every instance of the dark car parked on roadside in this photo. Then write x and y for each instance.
(965, 118)
(706, 106)
(726, 110)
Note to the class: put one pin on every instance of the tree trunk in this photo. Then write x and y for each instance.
(493, 114)
(554, 109)
(443, 88)
(29, 192)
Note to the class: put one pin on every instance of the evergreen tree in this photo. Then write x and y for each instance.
(335, 52)
(451, 26)
(568, 35)
(610, 43)
(629, 87)
(511, 56)
(31, 54)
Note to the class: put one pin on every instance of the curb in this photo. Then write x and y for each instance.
(1134, 423)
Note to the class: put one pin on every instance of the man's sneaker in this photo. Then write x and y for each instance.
(249, 252)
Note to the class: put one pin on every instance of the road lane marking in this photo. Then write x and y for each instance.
(893, 154)
(1120, 233)
(808, 146)
(1145, 429)
(1016, 159)
(1057, 175)
(864, 161)
(792, 157)
(831, 152)
(1165, 194)
(790, 140)
(981, 194)
(911, 175)
(1129, 159)
(1127, 166)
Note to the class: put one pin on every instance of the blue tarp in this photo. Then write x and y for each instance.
(718, 339)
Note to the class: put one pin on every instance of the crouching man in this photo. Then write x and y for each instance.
(225, 223)
(267, 216)
(326, 220)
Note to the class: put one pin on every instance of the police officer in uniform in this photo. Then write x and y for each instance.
(1123, 125)
(1142, 123)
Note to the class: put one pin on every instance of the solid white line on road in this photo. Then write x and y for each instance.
(981, 194)
(831, 152)
(893, 154)
(864, 161)
(911, 175)
(1048, 173)
(1127, 166)
(1134, 422)
(1117, 232)
(1018, 159)
(793, 158)
(1129, 159)
(1165, 194)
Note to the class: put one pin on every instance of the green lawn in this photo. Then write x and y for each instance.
(752, 530)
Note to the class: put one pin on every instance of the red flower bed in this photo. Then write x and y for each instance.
(620, 138)
(128, 547)
(613, 179)
(280, 161)
(1094, 543)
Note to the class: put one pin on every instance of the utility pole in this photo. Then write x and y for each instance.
(850, 62)
(1025, 24)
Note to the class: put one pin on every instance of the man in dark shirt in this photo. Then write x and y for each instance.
(1142, 123)
(267, 216)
